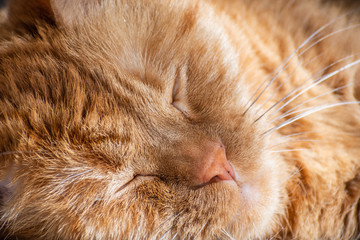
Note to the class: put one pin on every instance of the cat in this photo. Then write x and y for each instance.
(196, 119)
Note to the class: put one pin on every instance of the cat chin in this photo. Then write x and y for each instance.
(257, 200)
(262, 199)
(249, 214)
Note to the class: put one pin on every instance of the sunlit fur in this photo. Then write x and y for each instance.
(91, 146)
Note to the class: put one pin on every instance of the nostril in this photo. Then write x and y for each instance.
(214, 166)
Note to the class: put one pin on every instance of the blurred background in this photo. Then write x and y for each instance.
(2, 3)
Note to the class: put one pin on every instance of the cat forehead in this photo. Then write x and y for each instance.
(135, 33)
(155, 33)
(135, 45)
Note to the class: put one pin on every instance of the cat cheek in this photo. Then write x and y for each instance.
(250, 194)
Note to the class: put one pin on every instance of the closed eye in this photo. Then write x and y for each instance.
(179, 94)
(137, 177)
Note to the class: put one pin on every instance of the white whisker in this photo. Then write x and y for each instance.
(302, 115)
(287, 79)
(285, 63)
(289, 150)
(171, 218)
(290, 135)
(291, 175)
(317, 82)
(201, 229)
(300, 87)
(292, 141)
(4, 222)
(301, 53)
(174, 236)
(329, 35)
(274, 236)
(291, 111)
(70, 179)
(227, 234)
(166, 232)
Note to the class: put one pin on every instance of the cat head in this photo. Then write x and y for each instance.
(124, 119)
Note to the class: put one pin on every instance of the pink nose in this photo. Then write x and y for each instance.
(214, 165)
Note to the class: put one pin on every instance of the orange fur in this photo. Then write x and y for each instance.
(92, 147)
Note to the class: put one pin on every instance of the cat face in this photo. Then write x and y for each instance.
(127, 121)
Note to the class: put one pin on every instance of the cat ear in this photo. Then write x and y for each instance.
(57, 12)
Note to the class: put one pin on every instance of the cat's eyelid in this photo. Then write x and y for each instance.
(176, 88)
(179, 93)
(182, 108)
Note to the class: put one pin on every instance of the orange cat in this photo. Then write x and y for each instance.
(124, 119)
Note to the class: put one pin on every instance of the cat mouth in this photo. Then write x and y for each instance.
(215, 180)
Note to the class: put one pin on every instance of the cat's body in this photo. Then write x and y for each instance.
(113, 113)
